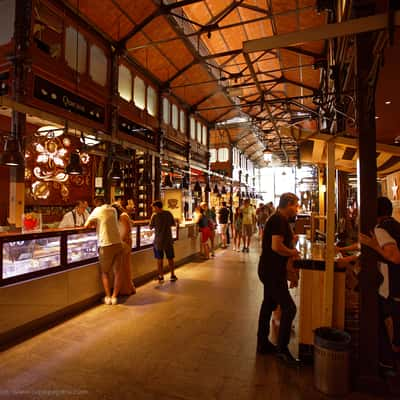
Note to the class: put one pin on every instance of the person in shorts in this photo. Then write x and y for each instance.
(104, 217)
(162, 221)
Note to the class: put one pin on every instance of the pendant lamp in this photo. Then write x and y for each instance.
(116, 172)
(12, 155)
(74, 167)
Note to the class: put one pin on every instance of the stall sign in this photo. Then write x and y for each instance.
(136, 130)
(174, 147)
(58, 96)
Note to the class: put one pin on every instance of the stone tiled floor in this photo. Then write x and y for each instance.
(193, 339)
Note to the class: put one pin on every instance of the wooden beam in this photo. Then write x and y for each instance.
(323, 32)
(318, 151)
(382, 158)
(329, 274)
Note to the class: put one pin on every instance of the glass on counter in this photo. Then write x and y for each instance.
(134, 237)
(31, 222)
(174, 231)
(81, 246)
(26, 256)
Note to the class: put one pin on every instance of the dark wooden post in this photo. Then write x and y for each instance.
(365, 100)
(23, 17)
(113, 125)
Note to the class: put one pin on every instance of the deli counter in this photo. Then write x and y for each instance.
(46, 276)
(29, 255)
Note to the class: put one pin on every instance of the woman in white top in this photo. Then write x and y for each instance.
(127, 286)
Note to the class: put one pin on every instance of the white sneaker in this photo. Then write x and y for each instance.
(114, 301)
(107, 300)
(233, 249)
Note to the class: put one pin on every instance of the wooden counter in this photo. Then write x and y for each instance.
(310, 292)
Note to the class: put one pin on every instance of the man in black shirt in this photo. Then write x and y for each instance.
(277, 247)
(223, 220)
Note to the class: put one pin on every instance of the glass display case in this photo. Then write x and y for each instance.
(81, 247)
(30, 255)
(25, 256)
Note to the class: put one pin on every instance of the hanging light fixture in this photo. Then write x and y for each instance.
(74, 167)
(197, 189)
(185, 181)
(207, 189)
(216, 190)
(12, 155)
(167, 181)
(116, 172)
(267, 154)
(223, 190)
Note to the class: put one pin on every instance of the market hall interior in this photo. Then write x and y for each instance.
(190, 339)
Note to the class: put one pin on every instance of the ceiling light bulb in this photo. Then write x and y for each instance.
(377, 117)
(388, 102)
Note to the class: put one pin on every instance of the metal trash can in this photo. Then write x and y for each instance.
(332, 361)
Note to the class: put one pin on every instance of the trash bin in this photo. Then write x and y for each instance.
(331, 361)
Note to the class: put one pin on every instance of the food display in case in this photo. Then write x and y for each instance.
(25, 256)
(146, 236)
(81, 246)
(174, 231)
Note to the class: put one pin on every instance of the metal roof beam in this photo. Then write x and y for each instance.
(223, 14)
(323, 32)
(212, 94)
(303, 85)
(180, 72)
(253, 73)
(163, 9)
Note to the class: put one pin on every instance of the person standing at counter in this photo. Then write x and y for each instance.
(125, 231)
(104, 217)
(162, 221)
(277, 247)
(76, 217)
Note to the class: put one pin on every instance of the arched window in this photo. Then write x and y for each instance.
(175, 116)
(204, 135)
(166, 110)
(98, 65)
(213, 155)
(223, 154)
(192, 128)
(75, 50)
(152, 100)
(125, 83)
(182, 124)
(198, 136)
(7, 18)
(139, 93)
